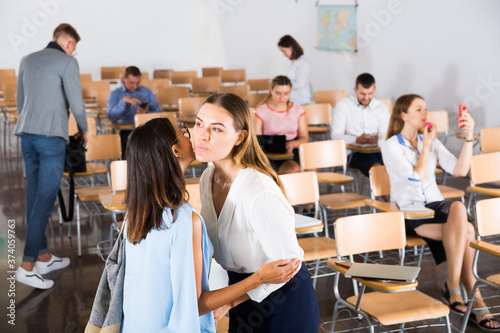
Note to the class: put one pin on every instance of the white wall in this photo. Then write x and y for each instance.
(444, 50)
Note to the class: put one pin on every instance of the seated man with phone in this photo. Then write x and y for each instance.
(128, 100)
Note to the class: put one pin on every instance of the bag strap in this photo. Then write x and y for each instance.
(67, 217)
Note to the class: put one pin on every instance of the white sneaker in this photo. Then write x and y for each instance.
(33, 278)
(53, 264)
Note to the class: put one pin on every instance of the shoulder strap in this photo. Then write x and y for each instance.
(67, 217)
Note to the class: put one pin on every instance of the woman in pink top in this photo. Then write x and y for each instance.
(278, 116)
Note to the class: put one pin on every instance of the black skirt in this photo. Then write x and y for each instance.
(292, 308)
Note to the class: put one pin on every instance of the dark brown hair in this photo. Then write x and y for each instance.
(132, 70)
(248, 154)
(366, 80)
(155, 179)
(65, 29)
(400, 106)
(289, 41)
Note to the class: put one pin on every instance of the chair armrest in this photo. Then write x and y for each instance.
(392, 207)
(486, 247)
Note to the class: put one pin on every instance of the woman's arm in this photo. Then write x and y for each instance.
(465, 158)
(257, 125)
(429, 135)
(276, 272)
(302, 135)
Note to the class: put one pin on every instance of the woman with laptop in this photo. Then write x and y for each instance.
(249, 220)
(410, 155)
(277, 115)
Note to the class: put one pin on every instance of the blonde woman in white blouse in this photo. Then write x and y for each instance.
(249, 220)
(410, 155)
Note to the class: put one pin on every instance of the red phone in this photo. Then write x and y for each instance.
(462, 108)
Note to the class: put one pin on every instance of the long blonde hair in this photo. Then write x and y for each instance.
(401, 105)
(279, 80)
(248, 154)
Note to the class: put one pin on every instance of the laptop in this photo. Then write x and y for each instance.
(272, 144)
(383, 272)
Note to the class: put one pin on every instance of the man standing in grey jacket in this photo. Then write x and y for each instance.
(48, 85)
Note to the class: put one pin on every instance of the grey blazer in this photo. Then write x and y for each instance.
(47, 86)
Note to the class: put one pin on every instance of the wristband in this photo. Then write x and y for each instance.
(471, 140)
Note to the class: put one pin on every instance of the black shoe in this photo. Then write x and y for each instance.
(482, 323)
(445, 295)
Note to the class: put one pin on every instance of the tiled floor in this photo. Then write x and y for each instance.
(66, 307)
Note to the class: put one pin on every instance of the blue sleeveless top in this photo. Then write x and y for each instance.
(159, 293)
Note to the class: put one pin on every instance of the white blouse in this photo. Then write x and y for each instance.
(255, 226)
(400, 159)
(298, 73)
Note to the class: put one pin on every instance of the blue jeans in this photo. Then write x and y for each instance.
(44, 163)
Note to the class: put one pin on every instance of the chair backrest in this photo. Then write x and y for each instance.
(9, 86)
(233, 75)
(102, 97)
(171, 95)
(183, 77)
(73, 128)
(330, 96)
(104, 147)
(92, 88)
(379, 181)
(485, 168)
(141, 118)
(489, 139)
(162, 74)
(388, 103)
(7, 72)
(155, 85)
(208, 84)
(301, 187)
(369, 233)
(85, 77)
(194, 196)
(189, 106)
(440, 120)
(318, 114)
(487, 213)
(241, 90)
(322, 154)
(211, 71)
(112, 73)
(260, 85)
(118, 171)
(255, 99)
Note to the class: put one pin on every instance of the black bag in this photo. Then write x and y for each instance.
(75, 162)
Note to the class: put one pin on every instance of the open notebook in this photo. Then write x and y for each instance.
(383, 272)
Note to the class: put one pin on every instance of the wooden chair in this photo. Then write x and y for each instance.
(90, 89)
(388, 103)
(113, 74)
(162, 74)
(73, 128)
(118, 171)
(319, 117)
(330, 154)
(211, 71)
(233, 76)
(168, 98)
(302, 188)
(101, 148)
(489, 139)
(484, 169)
(7, 72)
(241, 90)
(183, 77)
(205, 86)
(330, 96)
(259, 85)
(141, 118)
(85, 78)
(391, 302)
(155, 85)
(440, 120)
(487, 213)
(254, 99)
(188, 108)
(380, 186)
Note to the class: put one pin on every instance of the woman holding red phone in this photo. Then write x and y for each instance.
(410, 155)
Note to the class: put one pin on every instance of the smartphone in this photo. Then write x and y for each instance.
(144, 105)
(462, 108)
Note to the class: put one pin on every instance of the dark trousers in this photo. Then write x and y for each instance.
(363, 162)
